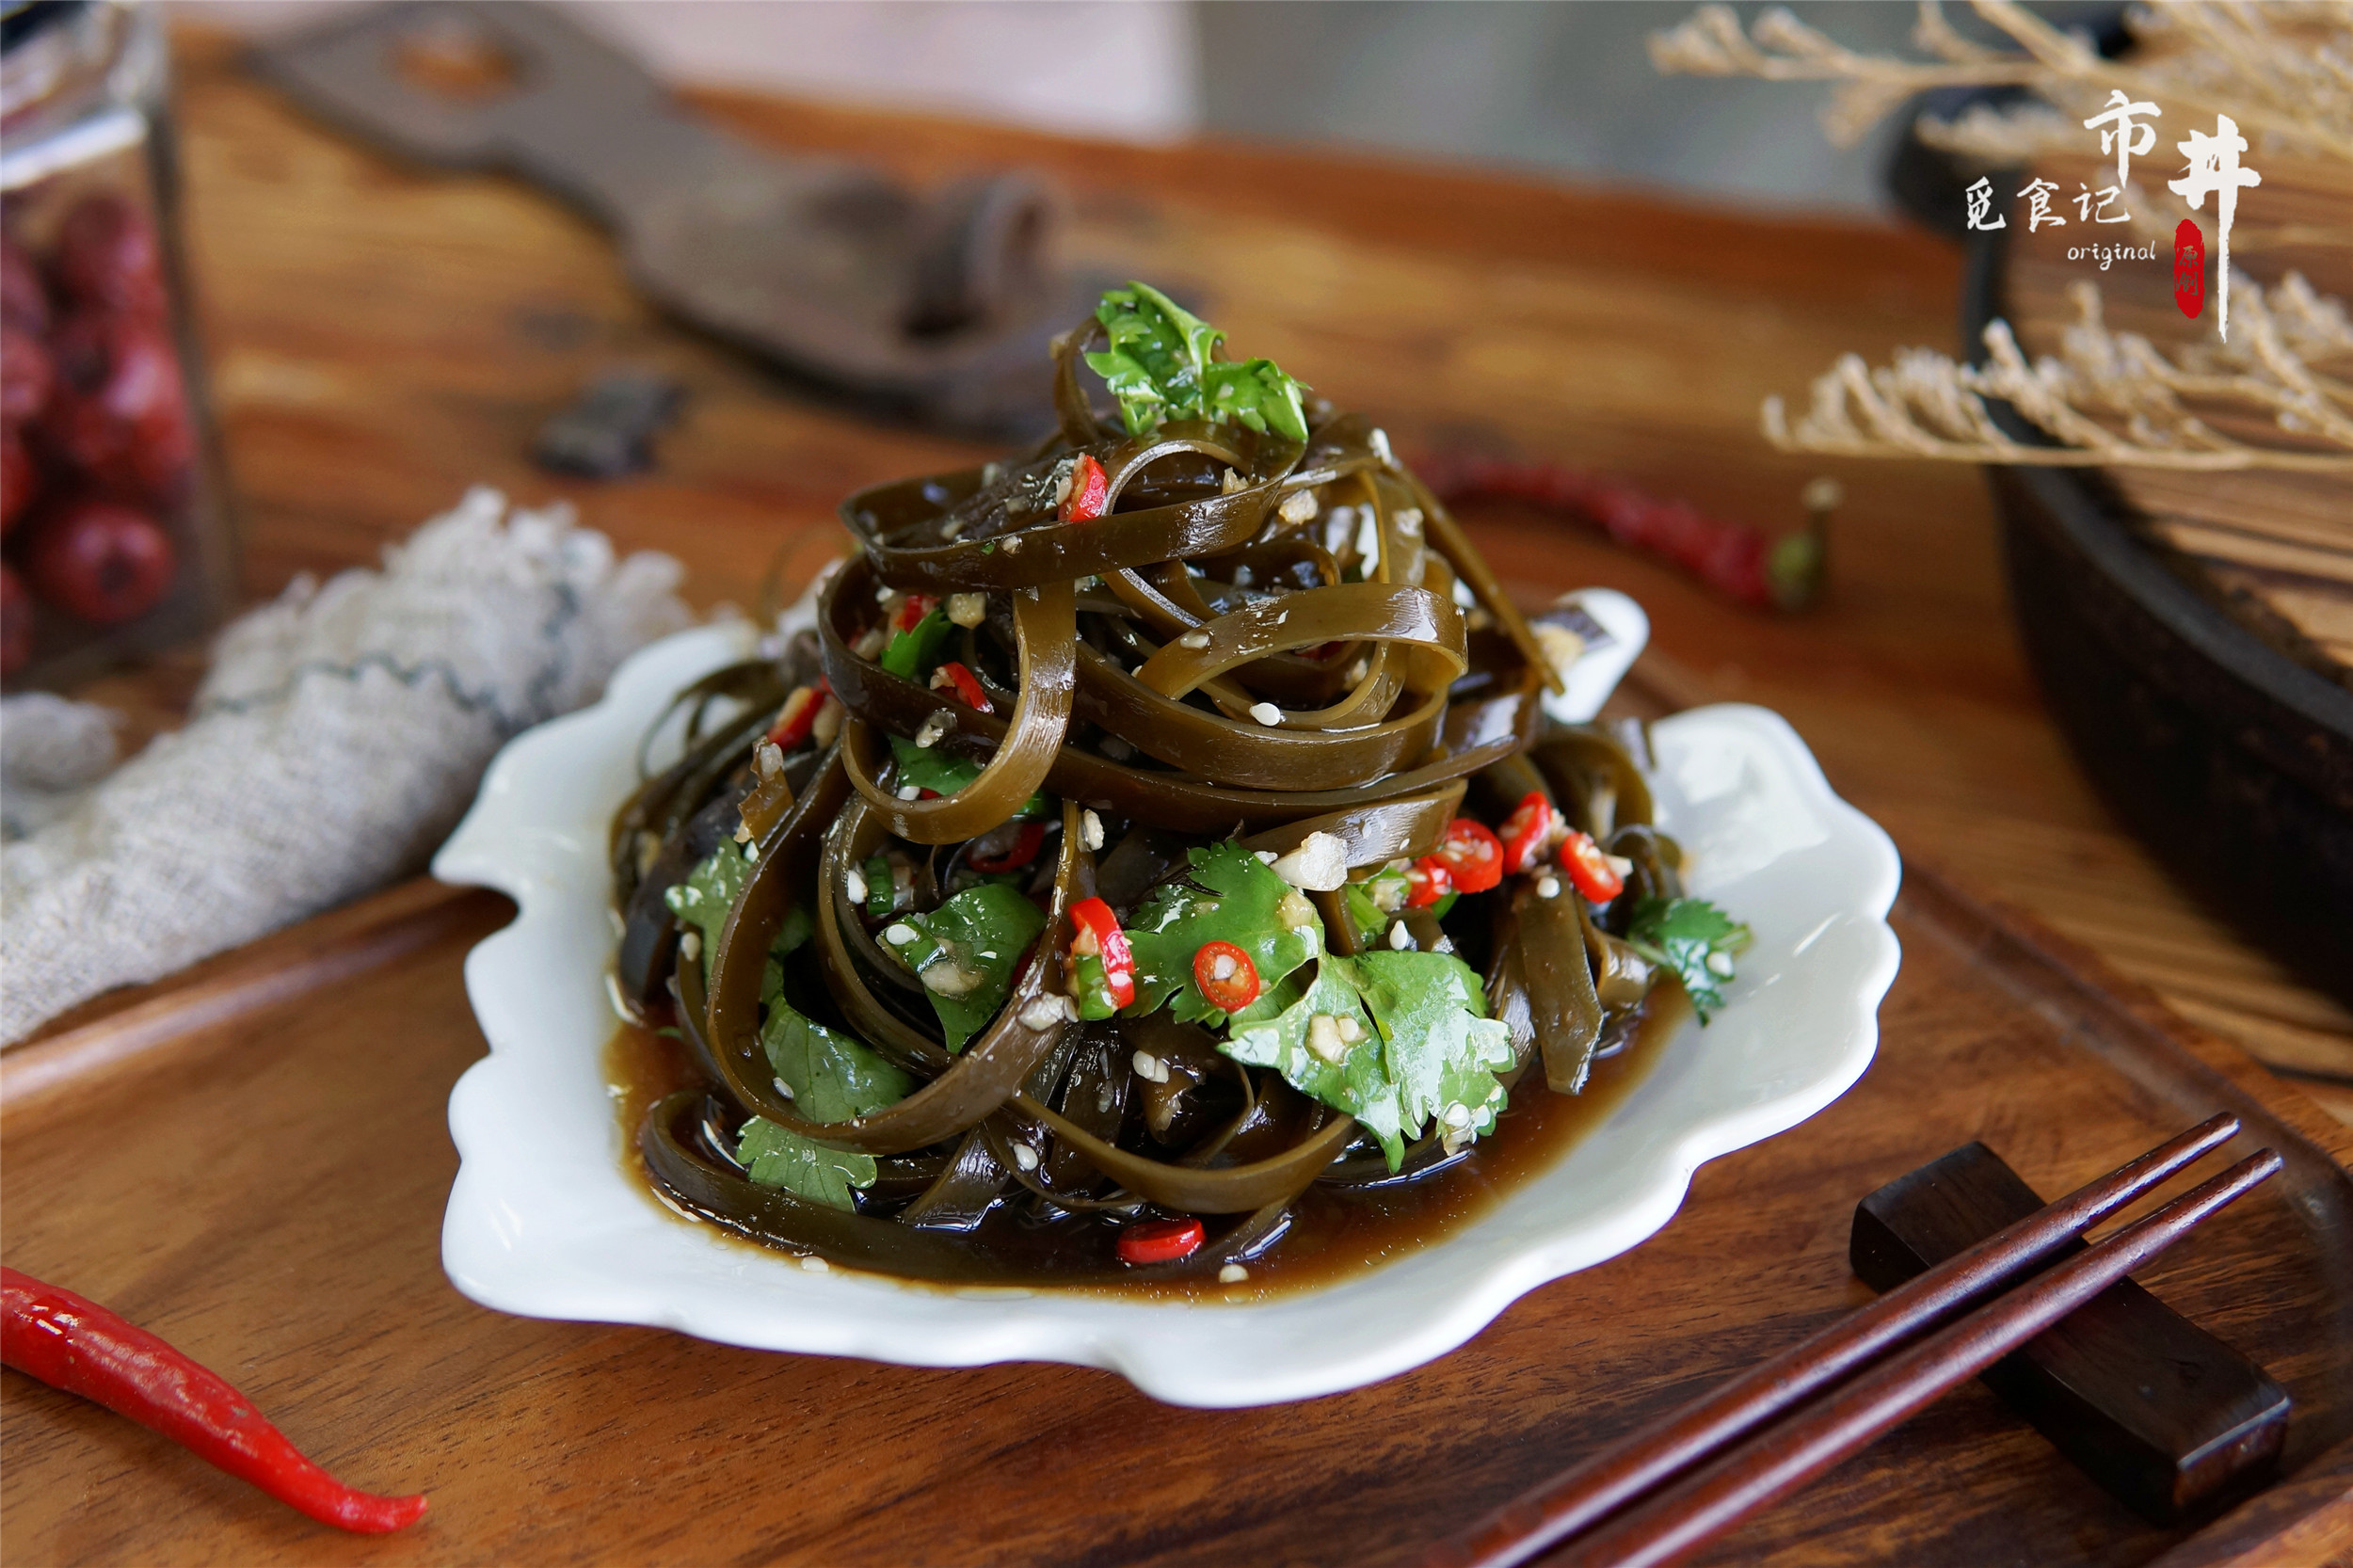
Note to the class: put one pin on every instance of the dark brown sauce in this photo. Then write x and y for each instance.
(1335, 1232)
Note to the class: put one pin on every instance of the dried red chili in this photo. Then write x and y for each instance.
(74, 1344)
(1734, 558)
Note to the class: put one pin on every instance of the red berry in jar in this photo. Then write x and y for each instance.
(108, 258)
(16, 621)
(23, 297)
(25, 377)
(119, 412)
(100, 561)
(20, 477)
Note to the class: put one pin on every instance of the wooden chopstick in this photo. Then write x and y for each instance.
(1713, 1499)
(1581, 1497)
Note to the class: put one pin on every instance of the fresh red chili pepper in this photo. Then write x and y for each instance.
(1426, 881)
(1093, 919)
(1232, 991)
(1525, 832)
(1471, 854)
(1090, 494)
(1160, 1240)
(798, 715)
(1734, 558)
(911, 610)
(1590, 869)
(953, 676)
(1019, 853)
(76, 1345)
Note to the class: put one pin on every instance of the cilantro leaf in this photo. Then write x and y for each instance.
(965, 953)
(1255, 393)
(1430, 1048)
(709, 890)
(1274, 1031)
(1442, 1048)
(775, 1157)
(833, 1076)
(931, 768)
(1230, 897)
(1694, 939)
(1159, 367)
(916, 651)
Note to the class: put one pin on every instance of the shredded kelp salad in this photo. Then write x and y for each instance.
(1152, 828)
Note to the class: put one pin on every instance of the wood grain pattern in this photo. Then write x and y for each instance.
(267, 1190)
(120, 1024)
(298, 1162)
(2161, 1410)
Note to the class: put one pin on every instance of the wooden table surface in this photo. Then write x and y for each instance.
(382, 337)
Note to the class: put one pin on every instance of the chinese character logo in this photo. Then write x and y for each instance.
(2105, 197)
(2038, 194)
(1980, 203)
(2122, 133)
(2189, 269)
(2213, 167)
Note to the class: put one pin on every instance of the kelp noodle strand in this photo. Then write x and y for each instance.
(1258, 639)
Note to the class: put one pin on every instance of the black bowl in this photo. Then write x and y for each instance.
(2230, 760)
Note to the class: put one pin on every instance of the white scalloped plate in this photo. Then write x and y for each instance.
(545, 1222)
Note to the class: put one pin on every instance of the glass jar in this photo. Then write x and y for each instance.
(117, 542)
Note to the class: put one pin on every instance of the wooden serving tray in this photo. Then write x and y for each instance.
(2192, 633)
(265, 1188)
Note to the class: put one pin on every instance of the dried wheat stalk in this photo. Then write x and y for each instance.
(2284, 69)
(2108, 397)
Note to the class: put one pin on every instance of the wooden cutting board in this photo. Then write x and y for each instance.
(266, 1193)
(253, 1159)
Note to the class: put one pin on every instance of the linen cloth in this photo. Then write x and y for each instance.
(337, 739)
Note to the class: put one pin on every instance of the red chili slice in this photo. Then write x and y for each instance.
(798, 714)
(1094, 917)
(1589, 868)
(953, 675)
(1427, 881)
(1237, 988)
(911, 610)
(1090, 494)
(1160, 1240)
(1524, 832)
(1471, 854)
(1017, 854)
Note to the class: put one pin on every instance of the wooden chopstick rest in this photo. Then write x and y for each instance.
(2159, 1412)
